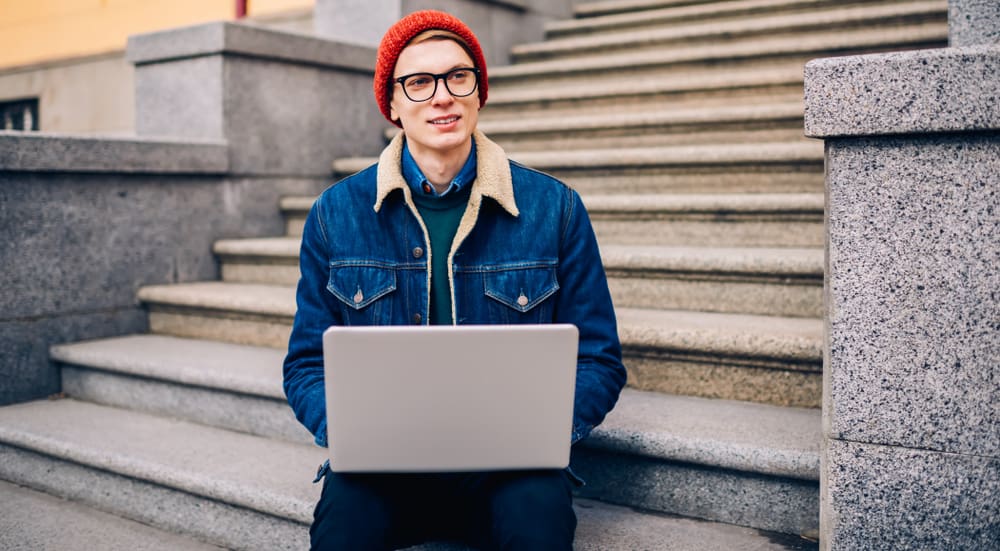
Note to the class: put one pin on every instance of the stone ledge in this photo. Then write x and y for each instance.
(245, 39)
(45, 152)
(941, 90)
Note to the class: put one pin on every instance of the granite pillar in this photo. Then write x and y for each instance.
(972, 22)
(288, 104)
(911, 388)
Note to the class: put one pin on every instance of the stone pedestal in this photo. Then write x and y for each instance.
(912, 388)
(287, 104)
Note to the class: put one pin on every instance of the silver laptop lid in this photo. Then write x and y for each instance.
(449, 398)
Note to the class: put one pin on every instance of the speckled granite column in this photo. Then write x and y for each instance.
(911, 383)
(972, 22)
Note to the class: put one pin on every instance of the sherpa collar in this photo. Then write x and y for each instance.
(493, 178)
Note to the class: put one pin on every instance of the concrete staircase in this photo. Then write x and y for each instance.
(679, 121)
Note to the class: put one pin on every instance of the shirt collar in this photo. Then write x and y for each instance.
(418, 182)
(493, 178)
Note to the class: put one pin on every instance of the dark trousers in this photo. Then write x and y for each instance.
(521, 510)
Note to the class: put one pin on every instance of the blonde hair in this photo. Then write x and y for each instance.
(441, 34)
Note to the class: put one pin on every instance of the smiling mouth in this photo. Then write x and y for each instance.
(444, 120)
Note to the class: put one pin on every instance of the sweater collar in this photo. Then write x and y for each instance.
(493, 177)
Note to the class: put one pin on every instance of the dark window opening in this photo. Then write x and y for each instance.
(19, 114)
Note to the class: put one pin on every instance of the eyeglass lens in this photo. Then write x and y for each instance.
(459, 82)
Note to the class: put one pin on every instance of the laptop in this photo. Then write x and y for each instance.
(449, 398)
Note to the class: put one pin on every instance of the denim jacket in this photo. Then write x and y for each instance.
(525, 252)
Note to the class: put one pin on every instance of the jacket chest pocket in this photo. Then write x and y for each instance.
(521, 295)
(365, 292)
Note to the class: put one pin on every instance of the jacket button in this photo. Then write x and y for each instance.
(417, 318)
(522, 301)
(358, 297)
(417, 252)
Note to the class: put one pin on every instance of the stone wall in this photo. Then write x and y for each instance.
(911, 421)
(231, 118)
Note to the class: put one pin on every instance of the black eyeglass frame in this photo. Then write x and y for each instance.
(437, 77)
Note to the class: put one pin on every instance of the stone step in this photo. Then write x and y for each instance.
(779, 282)
(710, 220)
(633, 66)
(782, 167)
(767, 359)
(663, 126)
(783, 282)
(693, 88)
(662, 14)
(871, 17)
(604, 7)
(31, 520)
(236, 387)
(236, 490)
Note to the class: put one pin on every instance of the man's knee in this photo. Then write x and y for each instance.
(534, 511)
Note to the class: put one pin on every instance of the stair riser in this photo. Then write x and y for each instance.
(770, 295)
(805, 177)
(765, 380)
(154, 504)
(681, 231)
(610, 7)
(802, 30)
(770, 503)
(588, 77)
(704, 233)
(751, 179)
(701, 293)
(262, 416)
(588, 100)
(488, 118)
(272, 272)
(655, 19)
(647, 137)
(235, 328)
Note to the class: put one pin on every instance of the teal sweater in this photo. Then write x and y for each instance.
(441, 215)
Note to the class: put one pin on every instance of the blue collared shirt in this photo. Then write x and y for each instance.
(418, 182)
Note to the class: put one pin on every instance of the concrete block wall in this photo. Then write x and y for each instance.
(911, 423)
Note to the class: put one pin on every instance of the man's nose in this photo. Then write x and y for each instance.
(441, 93)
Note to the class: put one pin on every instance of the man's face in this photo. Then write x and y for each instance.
(444, 122)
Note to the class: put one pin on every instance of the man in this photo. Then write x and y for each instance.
(444, 229)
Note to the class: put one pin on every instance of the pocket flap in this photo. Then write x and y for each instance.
(359, 285)
(521, 289)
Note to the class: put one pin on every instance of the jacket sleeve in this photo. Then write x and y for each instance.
(303, 367)
(585, 301)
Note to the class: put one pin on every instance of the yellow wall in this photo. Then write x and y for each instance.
(33, 31)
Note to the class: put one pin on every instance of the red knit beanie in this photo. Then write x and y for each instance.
(400, 34)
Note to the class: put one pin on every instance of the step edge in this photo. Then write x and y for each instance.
(262, 501)
(851, 17)
(72, 354)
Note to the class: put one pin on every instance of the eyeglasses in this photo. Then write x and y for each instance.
(460, 82)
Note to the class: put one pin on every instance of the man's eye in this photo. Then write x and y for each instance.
(418, 82)
(461, 74)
